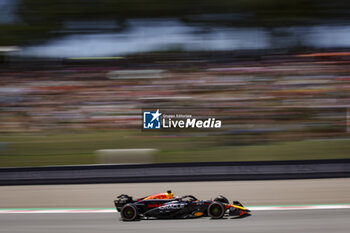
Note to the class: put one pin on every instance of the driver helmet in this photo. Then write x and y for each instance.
(169, 194)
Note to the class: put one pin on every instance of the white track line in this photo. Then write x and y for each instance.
(253, 208)
(54, 211)
(301, 207)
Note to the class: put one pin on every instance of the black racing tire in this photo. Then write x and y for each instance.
(216, 210)
(129, 212)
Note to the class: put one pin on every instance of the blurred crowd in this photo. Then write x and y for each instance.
(291, 96)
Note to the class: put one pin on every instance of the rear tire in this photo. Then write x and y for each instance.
(216, 210)
(128, 212)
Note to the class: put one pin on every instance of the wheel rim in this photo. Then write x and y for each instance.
(129, 212)
(216, 210)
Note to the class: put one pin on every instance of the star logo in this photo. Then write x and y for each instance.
(151, 120)
(156, 115)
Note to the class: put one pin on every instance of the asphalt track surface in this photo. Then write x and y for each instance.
(311, 221)
(250, 193)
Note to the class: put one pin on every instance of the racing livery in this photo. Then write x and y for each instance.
(164, 205)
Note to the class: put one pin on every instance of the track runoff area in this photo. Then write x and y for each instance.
(113, 210)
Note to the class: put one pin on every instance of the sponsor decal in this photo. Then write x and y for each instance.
(172, 206)
(154, 205)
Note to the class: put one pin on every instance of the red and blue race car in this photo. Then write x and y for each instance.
(165, 205)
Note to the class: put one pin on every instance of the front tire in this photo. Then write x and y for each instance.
(128, 212)
(216, 210)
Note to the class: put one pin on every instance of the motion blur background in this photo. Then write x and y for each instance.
(75, 76)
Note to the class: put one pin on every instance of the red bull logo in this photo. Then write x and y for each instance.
(154, 205)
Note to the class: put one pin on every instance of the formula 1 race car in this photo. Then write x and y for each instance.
(164, 205)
